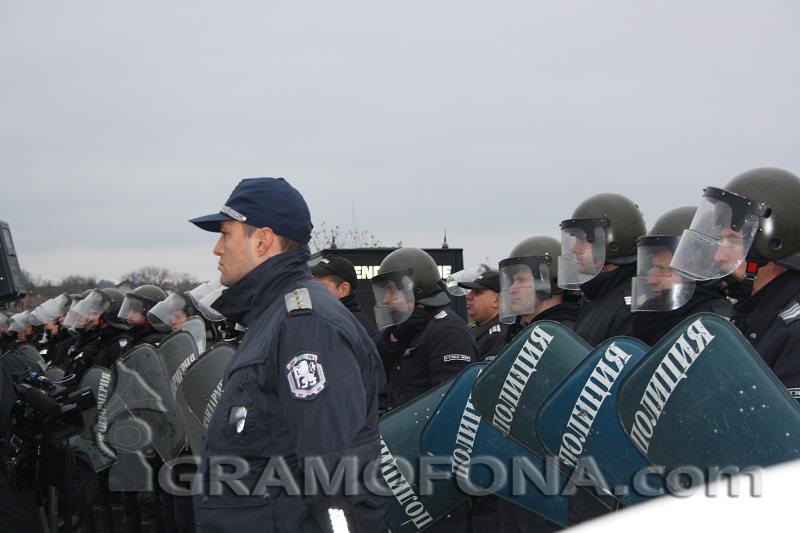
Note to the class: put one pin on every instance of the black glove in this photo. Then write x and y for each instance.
(405, 331)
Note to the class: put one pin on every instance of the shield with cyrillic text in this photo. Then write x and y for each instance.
(509, 393)
(409, 508)
(703, 397)
(199, 392)
(579, 419)
(479, 456)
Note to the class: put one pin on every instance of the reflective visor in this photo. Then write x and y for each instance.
(468, 275)
(657, 286)
(132, 310)
(721, 234)
(87, 310)
(524, 286)
(394, 297)
(168, 315)
(583, 251)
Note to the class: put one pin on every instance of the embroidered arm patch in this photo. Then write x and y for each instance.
(306, 376)
(456, 358)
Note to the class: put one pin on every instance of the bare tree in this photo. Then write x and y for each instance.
(334, 237)
(77, 283)
(153, 275)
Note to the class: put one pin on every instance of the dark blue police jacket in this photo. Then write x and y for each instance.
(302, 387)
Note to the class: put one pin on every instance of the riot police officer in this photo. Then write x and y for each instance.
(339, 276)
(529, 292)
(749, 232)
(422, 341)
(134, 311)
(5, 338)
(303, 385)
(598, 256)
(661, 297)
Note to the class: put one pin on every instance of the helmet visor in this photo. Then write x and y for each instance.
(468, 275)
(168, 315)
(205, 304)
(87, 310)
(49, 311)
(657, 286)
(132, 310)
(721, 234)
(583, 252)
(524, 286)
(17, 322)
(394, 298)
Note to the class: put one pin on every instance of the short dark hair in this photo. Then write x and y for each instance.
(287, 245)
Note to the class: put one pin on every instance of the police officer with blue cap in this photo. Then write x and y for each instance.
(301, 393)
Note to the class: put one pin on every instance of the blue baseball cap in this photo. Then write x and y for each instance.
(264, 202)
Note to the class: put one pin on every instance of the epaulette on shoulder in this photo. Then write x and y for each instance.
(298, 302)
(791, 313)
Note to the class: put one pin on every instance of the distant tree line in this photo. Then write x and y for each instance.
(77, 283)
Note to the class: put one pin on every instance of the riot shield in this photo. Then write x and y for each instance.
(578, 422)
(199, 392)
(509, 393)
(703, 398)
(480, 454)
(177, 352)
(142, 391)
(30, 355)
(197, 328)
(99, 380)
(409, 508)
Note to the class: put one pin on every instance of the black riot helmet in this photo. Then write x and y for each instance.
(137, 303)
(602, 229)
(528, 277)
(657, 286)
(755, 218)
(115, 299)
(406, 277)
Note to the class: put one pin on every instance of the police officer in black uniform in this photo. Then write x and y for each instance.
(5, 336)
(530, 292)
(134, 311)
(749, 232)
(661, 297)
(302, 388)
(483, 307)
(339, 276)
(598, 256)
(422, 341)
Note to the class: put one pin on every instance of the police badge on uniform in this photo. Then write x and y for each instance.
(305, 375)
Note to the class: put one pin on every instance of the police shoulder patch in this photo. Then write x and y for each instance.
(795, 392)
(495, 329)
(457, 358)
(440, 315)
(791, 313)
(298, 300)
(306, 376)
(628, 300)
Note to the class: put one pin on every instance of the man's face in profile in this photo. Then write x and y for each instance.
(582, 249)
(395, 299)
(522, 289)
(730, 253)
(661, 277)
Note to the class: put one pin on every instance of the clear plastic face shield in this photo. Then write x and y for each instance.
(132, 311)
(657, 286)
(18, 322)
(205, 303)
(468, 275)
(169, 314)
(50, 311)
(86, 313)
(583, 251)
(394, 297)
(524, 286)
(722, 231)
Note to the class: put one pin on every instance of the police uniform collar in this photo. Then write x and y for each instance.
(351, 302)
(480, 329)
(763, 307)
(262, 285)
(605, 282)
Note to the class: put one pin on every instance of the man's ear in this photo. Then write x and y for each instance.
(496, 301)
(265, 240)
(344, 289)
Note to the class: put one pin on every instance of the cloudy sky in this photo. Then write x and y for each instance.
(119, 121)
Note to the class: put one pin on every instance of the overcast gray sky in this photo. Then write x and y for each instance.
(492, 119)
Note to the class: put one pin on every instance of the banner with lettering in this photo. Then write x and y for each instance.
(410, 508)
(479, 456)
(578, 422)
(509, 393)
(703, 398)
